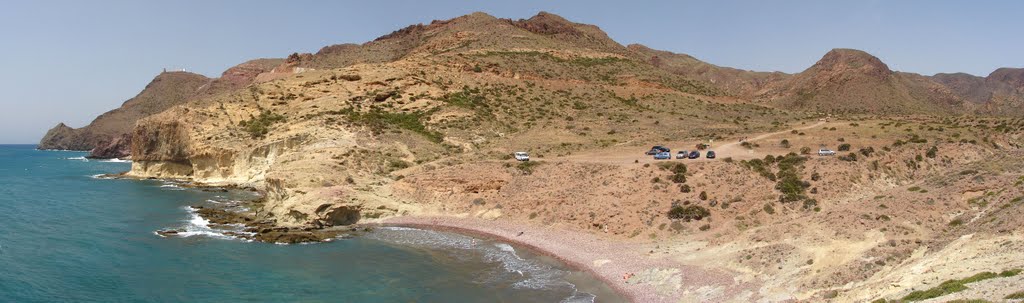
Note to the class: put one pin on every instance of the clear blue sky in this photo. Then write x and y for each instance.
(72, 60)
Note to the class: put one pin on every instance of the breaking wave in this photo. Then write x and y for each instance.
(196, 225)
(115, 160)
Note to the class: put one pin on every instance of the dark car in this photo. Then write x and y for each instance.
(657, 149)
(711, 154)
(694, 154)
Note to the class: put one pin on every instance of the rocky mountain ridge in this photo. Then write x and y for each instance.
(843, 81)
(107, 135)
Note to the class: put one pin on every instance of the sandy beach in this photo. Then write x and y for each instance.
(650, 278)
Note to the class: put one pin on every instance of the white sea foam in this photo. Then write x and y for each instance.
(170, 186)
(505, 247)
(398, 228)
(579, 297)
(116, 160)
(199, 226)
(79, 158)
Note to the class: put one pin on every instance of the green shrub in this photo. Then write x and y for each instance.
(932, 152)
(257, 127)
(378, 120)
(810, 204)
(844, 147)
(527, 167)
(703, 196)
(784, 143)
(467, 98)
(685, 188)
(688, 213)
(867, 151)
(1016, 296)
(679, 168)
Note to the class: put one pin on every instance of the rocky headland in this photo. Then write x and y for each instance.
(418, 126)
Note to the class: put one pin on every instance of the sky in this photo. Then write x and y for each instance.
(69, 61)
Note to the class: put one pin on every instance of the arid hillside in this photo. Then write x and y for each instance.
(852, 81)
(422, 123)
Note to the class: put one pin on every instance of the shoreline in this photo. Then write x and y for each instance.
(477, 233)
(624, 266)
(652, 279)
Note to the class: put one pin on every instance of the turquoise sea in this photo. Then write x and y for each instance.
(69, 236)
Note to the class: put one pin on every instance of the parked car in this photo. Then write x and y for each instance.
(694, 154)
(711, 154)
(522, 156)
(682, 154)
(826, 152)
(663, 156)
(657, 149)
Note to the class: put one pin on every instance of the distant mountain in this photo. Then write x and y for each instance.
(734, 81)
(107, 133)
(853, 81)
(550, 47)
(1002, 92)
(165, 90)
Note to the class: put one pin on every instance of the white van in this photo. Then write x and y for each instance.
(522, 156)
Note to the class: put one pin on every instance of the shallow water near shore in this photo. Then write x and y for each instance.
(69, 236)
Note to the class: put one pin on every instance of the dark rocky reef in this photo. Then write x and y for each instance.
(266, 230)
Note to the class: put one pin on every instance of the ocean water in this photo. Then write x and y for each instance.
(68, 236)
